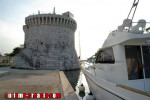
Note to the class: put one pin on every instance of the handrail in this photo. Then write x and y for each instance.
(134, 90)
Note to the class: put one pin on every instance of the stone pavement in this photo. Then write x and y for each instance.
(36, 81)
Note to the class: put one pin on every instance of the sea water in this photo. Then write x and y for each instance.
(76, 78)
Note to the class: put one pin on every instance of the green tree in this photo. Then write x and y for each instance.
(148, 29)
(15, 51)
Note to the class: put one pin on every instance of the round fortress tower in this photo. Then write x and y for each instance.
(49, 42)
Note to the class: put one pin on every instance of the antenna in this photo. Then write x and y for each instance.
(79, 47)
(54, 11)
(135, 4)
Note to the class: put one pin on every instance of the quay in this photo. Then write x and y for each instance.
(35, 81)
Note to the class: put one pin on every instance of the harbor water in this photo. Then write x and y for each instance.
(76, 78)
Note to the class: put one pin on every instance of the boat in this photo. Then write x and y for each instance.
(121, 69)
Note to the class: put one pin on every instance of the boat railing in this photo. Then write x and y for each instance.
(134, 27)
(85, 64)
(145, 29)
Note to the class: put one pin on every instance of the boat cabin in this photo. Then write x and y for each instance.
(125, 56)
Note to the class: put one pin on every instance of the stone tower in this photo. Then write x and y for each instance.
(49, 42)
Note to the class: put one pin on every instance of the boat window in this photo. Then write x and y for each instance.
(146, 58)
(105, 56)
(134, 62)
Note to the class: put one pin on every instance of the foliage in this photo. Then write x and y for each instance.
(16, 51)
(148, 29)
(6, 64)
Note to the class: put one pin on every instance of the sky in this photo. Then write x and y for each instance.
(95, 20)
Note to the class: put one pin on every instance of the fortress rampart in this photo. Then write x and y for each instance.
(49, 42)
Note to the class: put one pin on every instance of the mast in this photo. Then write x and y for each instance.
(54, 11)
(79, 47)
(135, 4)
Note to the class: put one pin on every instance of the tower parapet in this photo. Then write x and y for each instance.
(65, 20)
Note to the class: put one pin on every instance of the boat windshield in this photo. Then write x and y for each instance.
(137, 60)
(105, 56)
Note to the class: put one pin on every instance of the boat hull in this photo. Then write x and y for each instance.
(104, 90)
(100, 93)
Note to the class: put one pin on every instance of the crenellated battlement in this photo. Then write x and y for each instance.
(44, 19)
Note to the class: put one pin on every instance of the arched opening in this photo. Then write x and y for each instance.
(40, 19)
(48, 20)
(52, 19)
(44, 20)
(69, 22)
(63, 21)
(59, 20)
(36, 20)
(55, 19)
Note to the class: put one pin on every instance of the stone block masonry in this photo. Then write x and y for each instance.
(49, 43)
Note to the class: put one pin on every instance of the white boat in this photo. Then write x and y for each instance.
(121, 70)
(122, 67)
